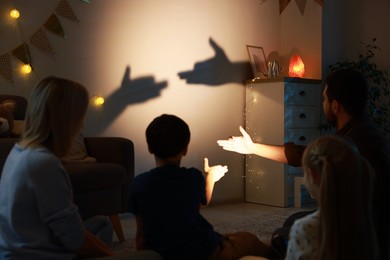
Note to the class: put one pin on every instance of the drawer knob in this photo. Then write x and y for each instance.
(302, 93)
(302, 138)
(302, 116)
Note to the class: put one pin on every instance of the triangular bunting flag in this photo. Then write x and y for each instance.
(65, 10)
(54, 25)
(282, 5)
(22, 53)
(301, 5)
(40, 40)
(5, 67)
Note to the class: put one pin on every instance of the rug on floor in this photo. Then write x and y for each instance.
(263, 226)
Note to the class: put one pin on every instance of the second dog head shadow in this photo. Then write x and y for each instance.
(217, 70)
(131, 91)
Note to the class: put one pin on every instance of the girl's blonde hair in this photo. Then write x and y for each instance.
(346, 184)
(54, 115)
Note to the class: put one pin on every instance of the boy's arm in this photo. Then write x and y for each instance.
(139, 235)
(212, 175)
(93, 247)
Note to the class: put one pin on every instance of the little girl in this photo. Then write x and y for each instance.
(341, 181)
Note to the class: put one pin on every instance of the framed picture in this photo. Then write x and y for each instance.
(258, 61)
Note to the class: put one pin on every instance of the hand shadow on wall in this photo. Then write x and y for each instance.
(131, 91)
(217, 70)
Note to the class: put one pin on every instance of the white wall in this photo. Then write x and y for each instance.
(131, 52)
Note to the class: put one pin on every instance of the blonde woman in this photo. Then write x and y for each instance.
(38, 219)
(341, 181)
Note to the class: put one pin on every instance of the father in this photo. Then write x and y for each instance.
(344, 102)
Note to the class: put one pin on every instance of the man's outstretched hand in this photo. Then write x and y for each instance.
(239, 144)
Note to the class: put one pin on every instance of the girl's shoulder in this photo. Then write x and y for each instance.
(307, 223)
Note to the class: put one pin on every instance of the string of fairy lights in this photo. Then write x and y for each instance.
(38, 38)
(253, 174)
(26, 67)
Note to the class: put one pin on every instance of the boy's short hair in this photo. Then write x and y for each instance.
(350, 88)
(167, 136)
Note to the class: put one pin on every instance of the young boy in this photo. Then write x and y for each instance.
(166, 201)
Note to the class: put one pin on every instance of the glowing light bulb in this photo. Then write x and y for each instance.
(14, 13)
(26, 68)
(98, 101)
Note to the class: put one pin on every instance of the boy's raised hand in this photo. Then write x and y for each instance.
(214, 173)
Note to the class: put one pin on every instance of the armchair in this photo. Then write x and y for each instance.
(102, 188)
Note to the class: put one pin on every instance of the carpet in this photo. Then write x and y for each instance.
(262, 225)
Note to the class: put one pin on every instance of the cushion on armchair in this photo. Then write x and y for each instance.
(78, 152)
(101, 186)
(95, 176)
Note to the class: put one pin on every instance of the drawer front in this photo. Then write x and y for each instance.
(301, 136)
(302, 94)
(294, 171)
(301, 117)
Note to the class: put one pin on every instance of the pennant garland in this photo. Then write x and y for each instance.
(22, 53)
(39, 39)
(54, 25)
(282, 5)
(5, 67)
(66, 11)
(300, 3)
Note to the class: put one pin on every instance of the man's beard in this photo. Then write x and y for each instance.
(331, 118)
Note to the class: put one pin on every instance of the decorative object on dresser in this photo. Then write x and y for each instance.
(279, 111)
(258, 61)
(296, 67)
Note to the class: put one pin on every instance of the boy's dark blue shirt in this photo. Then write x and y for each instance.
(168, 198)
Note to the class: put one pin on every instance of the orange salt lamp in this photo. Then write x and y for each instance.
(296, 68)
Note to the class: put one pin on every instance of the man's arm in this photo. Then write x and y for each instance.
(244, 145)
